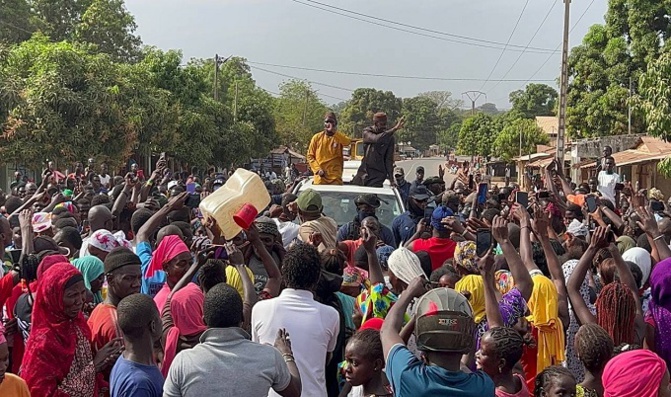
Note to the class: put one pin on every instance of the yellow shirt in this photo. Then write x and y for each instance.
(325, 153)
(233, 279)
(13, 386)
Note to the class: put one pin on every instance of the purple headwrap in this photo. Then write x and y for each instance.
(660, 308)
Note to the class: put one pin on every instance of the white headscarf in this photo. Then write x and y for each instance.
(405, 265)
(642, 259)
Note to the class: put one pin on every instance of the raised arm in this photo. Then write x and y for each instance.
(599, 239)
(374, 269)
(540, 227)
(249, 293)
(523, 280)
(394, 321)
(274, 275)
(649, 225)
(492, 312)
(154, 223)
(526, 251)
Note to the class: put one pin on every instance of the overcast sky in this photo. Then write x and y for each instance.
(285, 32)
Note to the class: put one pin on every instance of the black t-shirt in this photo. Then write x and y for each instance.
(22, 311)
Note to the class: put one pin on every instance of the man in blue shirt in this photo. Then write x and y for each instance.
(135, 373)
(402, 185)
(405, 224)
(444, 332)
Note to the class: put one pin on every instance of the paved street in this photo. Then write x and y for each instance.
(430, 165)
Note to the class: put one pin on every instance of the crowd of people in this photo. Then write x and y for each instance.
(117, 286)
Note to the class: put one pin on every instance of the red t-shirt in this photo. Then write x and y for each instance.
(103, 325)
(439, 249)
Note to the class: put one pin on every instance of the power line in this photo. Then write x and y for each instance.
(497, 47)
(547, 15)
(15, 27)
(526, 3)
(350, 73)
(298, 78)
(484, 41)
(556, 50)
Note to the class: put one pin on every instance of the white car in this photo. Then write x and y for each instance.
(338, 200)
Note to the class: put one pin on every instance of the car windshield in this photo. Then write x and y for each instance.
(340, 206)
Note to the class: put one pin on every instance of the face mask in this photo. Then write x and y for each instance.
(365, 214)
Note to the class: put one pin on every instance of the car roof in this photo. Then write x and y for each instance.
(386, 190)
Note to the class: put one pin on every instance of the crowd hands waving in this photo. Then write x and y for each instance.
(470, 292)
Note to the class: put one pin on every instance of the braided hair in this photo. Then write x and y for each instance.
(594, 347)
(616, 311)
(509, 344)
(545, 378)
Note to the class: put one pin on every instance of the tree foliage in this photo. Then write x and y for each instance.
(477, 135)
(610, 59)
(365, 102)
(519, 131)
(299, 113)
(535, 100)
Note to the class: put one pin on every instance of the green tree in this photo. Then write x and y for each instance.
(18, 26)
(535, 100)
(449, 138)
(299, 114)
(477, 135)
(655, 102)
(62, 112)
(519, 131)
(365, 102)
(111, 28)
(421, 122)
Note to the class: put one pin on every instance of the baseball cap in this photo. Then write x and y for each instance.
(444, 322)
(420, 193)
(309, 200)
(399, 171)
(370, 199)
(420, 169)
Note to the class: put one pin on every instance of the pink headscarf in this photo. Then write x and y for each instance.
(186, 308)
(168, 249)
(636, 373)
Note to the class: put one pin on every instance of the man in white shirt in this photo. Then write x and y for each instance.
(608, 179)
(313, 326)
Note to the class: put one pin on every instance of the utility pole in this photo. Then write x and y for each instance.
(235, 103)
(473, 96)
(216, 76)
(305, 109)
(629, 110)
(563, 89)
(218, 61)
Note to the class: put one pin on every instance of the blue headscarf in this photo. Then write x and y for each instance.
(91, 268)
(437, 217)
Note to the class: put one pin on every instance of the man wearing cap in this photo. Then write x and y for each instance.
(122, 270)
(444, 332)
(404, 225)
(402, 185)
(419, 177)
(378, 159)
(325, 153)
(440, 247)
(313, 223)
(366, 205)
